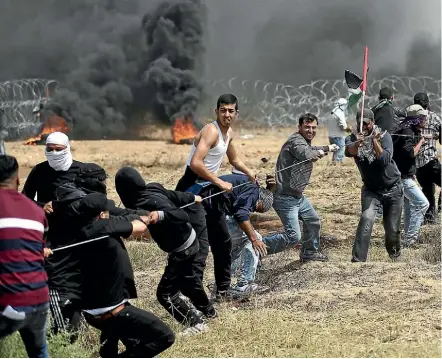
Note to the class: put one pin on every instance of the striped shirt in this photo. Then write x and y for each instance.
(428, 150)
(23, 280)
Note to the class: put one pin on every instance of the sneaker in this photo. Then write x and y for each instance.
(410, 244)
(196, 329)
(210, 312)
(249, 288)
(315, 256)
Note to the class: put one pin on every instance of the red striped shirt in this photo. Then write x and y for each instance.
(23, 280)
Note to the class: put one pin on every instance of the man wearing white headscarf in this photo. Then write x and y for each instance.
(40, 186)
(338, 128)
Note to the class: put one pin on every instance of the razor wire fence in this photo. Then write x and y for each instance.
(264, 103)
(277, 104)
(20, 101)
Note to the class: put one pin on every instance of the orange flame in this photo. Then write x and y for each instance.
(52, 124)
(183, 131)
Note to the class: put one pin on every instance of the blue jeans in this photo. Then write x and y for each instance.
(244, 259)
(338, 156)
(415, 207)
(32, 330)
(290, 210)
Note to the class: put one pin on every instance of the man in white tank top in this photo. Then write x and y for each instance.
(210, 146)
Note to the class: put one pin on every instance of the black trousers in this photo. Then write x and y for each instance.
(391, 201)
(65, 312)
(428, 176)
(211, 227)
(143, 334)
(197, 218)
(179, 275)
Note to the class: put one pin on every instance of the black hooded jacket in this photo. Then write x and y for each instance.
(174, 230)
(107, 274)
(63, 267)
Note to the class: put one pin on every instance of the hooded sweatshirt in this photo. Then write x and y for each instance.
(173, 230)
(338, 124)
(67, 220)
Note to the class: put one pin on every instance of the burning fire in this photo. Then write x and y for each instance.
(52, 124)
(183, 131)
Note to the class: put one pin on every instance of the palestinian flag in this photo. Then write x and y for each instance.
(354, 83)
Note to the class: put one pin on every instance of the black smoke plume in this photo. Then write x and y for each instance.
(112, 59)
(175, 49)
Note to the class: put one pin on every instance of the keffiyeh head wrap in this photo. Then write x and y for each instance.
(59, 160)
(266, 197)
(366, 149)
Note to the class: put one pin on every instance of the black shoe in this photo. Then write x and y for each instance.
(210, 312)
(109, 347)
(394, 257)
(315, 256)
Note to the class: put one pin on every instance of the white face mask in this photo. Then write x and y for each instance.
(61, 160)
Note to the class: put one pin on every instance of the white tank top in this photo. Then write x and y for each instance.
(215, 156)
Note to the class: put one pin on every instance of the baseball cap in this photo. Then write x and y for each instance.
(416, 110)
(367, 116)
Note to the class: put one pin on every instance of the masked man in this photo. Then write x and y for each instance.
(171, 230)
(428, 171)
(41, 186)
(406, 146)
(47, 176)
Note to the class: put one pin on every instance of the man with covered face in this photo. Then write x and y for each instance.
(372, 151)
(45, 177)
(428, 171)
(170, 229)
(407, 145)
(40, 186)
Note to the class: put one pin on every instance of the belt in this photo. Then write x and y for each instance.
(109, 314)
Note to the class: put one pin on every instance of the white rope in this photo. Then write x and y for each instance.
(79, 243)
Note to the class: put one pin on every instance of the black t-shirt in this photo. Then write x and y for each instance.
(43, 180)
(403, 153)
(107, 274)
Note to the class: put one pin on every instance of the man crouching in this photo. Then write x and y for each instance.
(108, 283)
(170, 229)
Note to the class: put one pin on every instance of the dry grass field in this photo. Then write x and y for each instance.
(334, 309)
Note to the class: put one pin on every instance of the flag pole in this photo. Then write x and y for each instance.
(364, 85)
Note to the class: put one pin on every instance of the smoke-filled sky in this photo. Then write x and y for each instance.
(297, 41)
(115, 57)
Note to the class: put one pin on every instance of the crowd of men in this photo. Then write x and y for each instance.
(64, 202)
